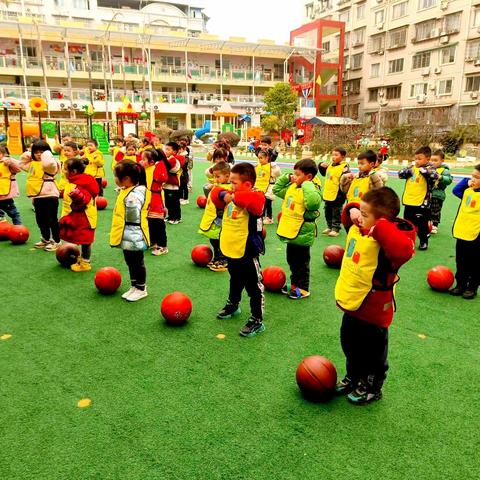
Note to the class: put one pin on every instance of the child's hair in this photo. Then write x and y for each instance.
(71, 145)
(4, 150)
(477, 167)
(266, 139)
(92, 140)
(134, 171)
(307, 166)
(426, 150)
(174, 146)
(263, 153)
(384, 202)
(223, 143)
(219, 153)
(145, 141)
(245, 171)
(40, 146)
(341, 151)
(370, 156)
(183, 144)
(379, 159)
(439, 153)
(150, 155)
(221, 167)
(131, 144)
(119, 139)
(75, 165)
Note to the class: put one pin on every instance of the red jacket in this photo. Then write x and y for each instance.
(75, 227)
(160, 176)
(397, 246)
(173, 176)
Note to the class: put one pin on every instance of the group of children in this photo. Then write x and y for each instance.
(378, 242)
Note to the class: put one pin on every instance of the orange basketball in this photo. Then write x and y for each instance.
(333, 256)
(18, 234)
(316, 377)
(440, 278)
(4, 230)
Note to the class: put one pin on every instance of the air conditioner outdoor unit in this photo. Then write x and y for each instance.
(438, 70)
(381, 93)
(444, 4)
(477, 63)
(474, 95)
(431, 86)
(444, 39)
(155, 107)
(379, 1)
(380, 26)
(414, 39)
(75, 105)
(383, 103)
(380, 52)
(435, 33)
(425, 72)
(469, 59)
(421, 98)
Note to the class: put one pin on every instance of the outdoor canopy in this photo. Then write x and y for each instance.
(332, 121)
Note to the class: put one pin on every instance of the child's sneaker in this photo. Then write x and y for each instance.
(326, 231)
(136, 295)
(457, 291)
(229, 311)
(159, 251)
(268, 221)
(52, 246)
(219, 266)
(297, 293)
(184, 202)
(434, 230)
(333, 233)
(344, 387)
(81, 266)
(252, 327)
(469, 294)
(128, 292)
(362, 395)
(42, 243)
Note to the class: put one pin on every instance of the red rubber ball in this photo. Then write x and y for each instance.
(176, 308)
(107, 280)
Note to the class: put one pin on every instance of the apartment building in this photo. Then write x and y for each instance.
(159, 54)
(408, 61)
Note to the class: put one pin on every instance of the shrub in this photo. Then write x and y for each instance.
(177, 135)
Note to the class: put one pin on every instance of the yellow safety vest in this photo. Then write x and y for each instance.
(118, 219)
(358, 188)
(149, 175)
(440, 170)
(35, 178)
(132, 158)
(415, 189)
(6, 179)
(210, 213)
(90, 210)
(358, 267)
(332, 181)
(467, 222)
(264, 173)
(95, 164)
(293, 210)
(233, 238)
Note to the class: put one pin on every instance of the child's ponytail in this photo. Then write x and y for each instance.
(133, 170)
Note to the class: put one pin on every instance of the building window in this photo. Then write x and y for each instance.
(357, 60)
(395, 66)
(309, 11)
(448, 55)
(376, 43)
(445, 87)
(394, 92)
(424, 4)
(59, 3)
(476, 18)
(373, 95)
(473, 50)
(344, 16)
(397, 38)
(361, 11)
(468, 114)
(353, 86)
(358, 36)
(379, 17)
(374, 70)
(473, 84)
(80, 4)
(421, 60)
(171, 61)
(400, 10)
(452, 23)
(424, 30)
(326, 47)
(418, 89)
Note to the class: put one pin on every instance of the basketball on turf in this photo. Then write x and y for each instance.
(18, 234)
(67, 254)
(201, 255)
(279, 216)
(201, 201)
(316, 377)
(176, 308)
(107, 280)
(4, 229)
(274, 278)
(104, 182)
(440, 278)
(101, 203)
(333, 255)
(264, 233)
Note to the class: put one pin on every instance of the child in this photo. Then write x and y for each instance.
(119, 147)
(42, 167)
(381, 170)
(332, 194)
(241, 242)
(69, 150)
(267, 172)
(417, 195)
(59, 147)
(172, 185)
(224, 145)
(211, 223)
(219, 155)
(266, 146)
(155, 164)
(355, 186)
(95, 163)
(79, 213)
(184, 178)
(378, 244)
(438, 192)
(466, 230)
(145, 145)
(129, 225)
(130, 153)
(8, 186)
(297, 227)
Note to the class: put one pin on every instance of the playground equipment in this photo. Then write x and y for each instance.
(101, 136)
(228, 127)
(126, 116)
(206, 129)
(15, 143)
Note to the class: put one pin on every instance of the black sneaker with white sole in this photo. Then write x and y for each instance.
(229, 311)
(345, 386)
(252, 327)
(363, 394)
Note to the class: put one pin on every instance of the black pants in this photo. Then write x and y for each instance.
(100, 187)
(136, 268)
(298, 258)
(172, 203)
(217, 253)
(365, 346)
(468, 263)
(333, 213)
(267, 211)
(183, 188)
(8, 207)
(46, 211)
(419, 216)
(86, 251)
(436, 211)
(245, 274)
(158, 232)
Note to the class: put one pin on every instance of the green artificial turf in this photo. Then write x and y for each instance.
(178, 403)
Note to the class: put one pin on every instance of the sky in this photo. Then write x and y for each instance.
(253, 19)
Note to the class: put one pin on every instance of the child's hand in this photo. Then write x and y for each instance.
(355, 216)
(324, 165)
(291, 178)
(350, 176)
(228, 198)
(470, 183)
